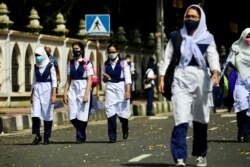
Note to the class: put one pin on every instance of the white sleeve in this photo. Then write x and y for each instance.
(213, 58)
(151, 73)
(90, 69)
(166, 59)
(34, 78)
(53, 77)
(127, 73)
(68, 69)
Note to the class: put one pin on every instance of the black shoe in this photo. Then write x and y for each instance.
(37, 140)
(46, 141)
(246, 139)
(125, 136)
(80, 141)
(112, 140)
(151, 114)
(240, 136)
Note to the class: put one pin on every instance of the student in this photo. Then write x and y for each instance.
(77, 91)
(117, 76)
(150, 77)
(43, 95)
(133, 76)
(239, 58)
(192, 97)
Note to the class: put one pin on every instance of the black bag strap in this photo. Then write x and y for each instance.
(176, 40)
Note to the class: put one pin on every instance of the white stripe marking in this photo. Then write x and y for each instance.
(233, 121)
(228, 115)
(214, 128)
(137, 159)
(188, 137)
(155, 117)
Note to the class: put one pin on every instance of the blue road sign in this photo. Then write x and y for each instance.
(97, 24)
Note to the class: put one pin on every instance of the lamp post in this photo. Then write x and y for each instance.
(159, 36)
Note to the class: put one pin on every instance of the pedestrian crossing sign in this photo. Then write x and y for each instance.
(97, 24)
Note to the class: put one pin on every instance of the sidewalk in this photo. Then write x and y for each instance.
(16, 119)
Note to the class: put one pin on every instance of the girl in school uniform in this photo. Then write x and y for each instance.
(117, 76)
(43, 96)
(77, 91)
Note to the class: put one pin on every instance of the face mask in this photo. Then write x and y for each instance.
(76, 53)
(191, 24)
(247, 41)
(112, 55)
(39, 59)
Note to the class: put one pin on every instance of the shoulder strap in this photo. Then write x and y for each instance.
(176, 39)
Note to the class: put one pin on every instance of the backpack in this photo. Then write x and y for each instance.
(94, 77)
(146, 82)
(176, 39)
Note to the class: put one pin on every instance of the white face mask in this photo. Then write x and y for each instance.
(112, 55)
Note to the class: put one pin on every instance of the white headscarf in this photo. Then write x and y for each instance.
(44, 55)
(240, 46)
(200, 36)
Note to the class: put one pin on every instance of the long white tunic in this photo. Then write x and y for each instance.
(192, 87)
(41, 100)
(78, 109)
(115, 102)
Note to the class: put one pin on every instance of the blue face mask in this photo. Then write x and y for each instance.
(39, 59)
(76, 53)
(191, 24)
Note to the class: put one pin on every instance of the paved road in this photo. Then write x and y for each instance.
(147, 146)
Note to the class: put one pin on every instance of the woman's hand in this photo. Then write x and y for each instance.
(85, 98)
(161, 85)
(65, 98)
(106, 77)
(53, 99)
(127, 95)
(215, 78)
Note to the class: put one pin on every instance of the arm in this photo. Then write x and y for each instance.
(214, 64)
(164, 64)
(128, 81)
(89, 73)
(58, 75)
(65, 95)
(105, 77)
(54, 84)
(87, 90)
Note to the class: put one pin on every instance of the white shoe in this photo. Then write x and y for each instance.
(201, 161)
(180, 163)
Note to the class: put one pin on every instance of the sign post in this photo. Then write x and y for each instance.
(97, 28)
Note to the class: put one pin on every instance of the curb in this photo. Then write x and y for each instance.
(18, 122)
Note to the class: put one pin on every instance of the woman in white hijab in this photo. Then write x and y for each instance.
(192, 85)
(239, 57)
(43, 96)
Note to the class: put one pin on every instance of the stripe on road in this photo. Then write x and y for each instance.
(137, 159)
(158, 117)
(214, 128)
(233, 121)
(228, 115)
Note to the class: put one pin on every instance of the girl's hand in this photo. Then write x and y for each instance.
(85, 98)
(127, 95)
(53, 99)
(65, 99)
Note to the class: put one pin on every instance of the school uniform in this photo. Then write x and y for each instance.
(240, 58)
(192, 89)
(150, 92)
(79, 110)
(115, 102)
(44, 79)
